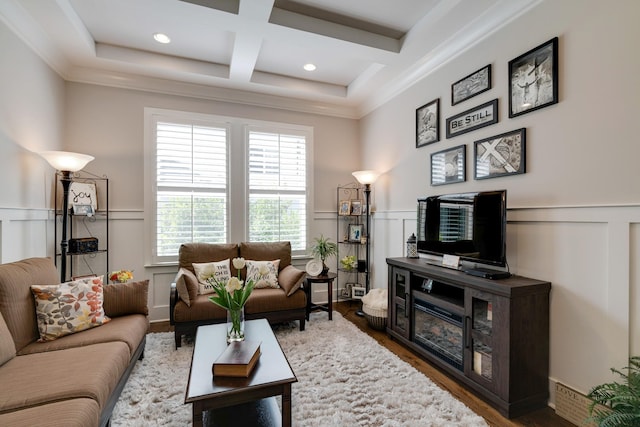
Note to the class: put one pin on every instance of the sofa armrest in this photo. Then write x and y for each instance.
(121, 299)
(173, 300)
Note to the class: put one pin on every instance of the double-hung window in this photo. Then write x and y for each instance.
(225, 180)
(277, 187)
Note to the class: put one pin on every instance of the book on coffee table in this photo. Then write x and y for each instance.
(237, 360)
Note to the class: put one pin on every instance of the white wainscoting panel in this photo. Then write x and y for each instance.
(25, 233)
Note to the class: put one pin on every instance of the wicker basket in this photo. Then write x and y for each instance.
(377, 318)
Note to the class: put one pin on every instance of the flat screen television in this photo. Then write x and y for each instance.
(469, 225)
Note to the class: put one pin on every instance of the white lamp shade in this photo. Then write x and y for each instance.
(66, 160)
(366, 177)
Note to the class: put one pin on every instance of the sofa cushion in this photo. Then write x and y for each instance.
(269, 299)
(219, 270)
(201, 309)
(263, 273)
(7, 346)
(267, 251)
(69, 307)
(187, 285)
(16, 301)
(68, 413)
(81, 372)
(129, 329)
(126, 298)
(290, 279)
(206, 252)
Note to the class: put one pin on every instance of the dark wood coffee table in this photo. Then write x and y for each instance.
(272, 375)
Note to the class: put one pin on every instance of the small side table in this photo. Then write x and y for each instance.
(328, 279)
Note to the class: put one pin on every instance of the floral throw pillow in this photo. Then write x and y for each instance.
(263, 273)
(220, 270)
(69, 307)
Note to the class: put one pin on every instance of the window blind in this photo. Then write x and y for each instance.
(192, 187)
(277, 188)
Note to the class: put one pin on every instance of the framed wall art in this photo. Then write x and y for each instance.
(500, 155)
(83, 210)
(448, 166)
(428, 123)
(344, 208)
(472, 85)
(355, 232)
(83, 193)
(356, 207)
(475, 118)
(533, 79)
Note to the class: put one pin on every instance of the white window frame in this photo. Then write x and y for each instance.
(238, 172)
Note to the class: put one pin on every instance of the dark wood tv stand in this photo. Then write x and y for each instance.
(490, 335)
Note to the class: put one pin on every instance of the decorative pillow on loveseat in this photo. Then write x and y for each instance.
(290, 279)
(263, 273)
(69, 307)
(219, 270)
(187, 285)
(121, 299)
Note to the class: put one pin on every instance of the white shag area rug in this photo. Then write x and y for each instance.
(345, 378)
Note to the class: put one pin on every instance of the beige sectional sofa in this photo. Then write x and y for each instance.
(74, 380)
(188, 309)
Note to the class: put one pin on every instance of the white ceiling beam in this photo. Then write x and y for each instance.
(78, 26)
(246, 49)
(248, 41)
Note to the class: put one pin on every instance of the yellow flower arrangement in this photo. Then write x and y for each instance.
(121, 276)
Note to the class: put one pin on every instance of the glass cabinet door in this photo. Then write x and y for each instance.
(480, 324)
(400, 298)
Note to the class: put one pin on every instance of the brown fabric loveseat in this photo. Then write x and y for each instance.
(76, 379)
(188, 310)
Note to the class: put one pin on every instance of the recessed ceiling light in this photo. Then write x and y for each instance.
(309, 67)
(162, 38)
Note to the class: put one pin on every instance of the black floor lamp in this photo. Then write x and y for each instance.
(65, 162)
(367, 178)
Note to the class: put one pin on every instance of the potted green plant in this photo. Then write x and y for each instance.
(324, 249)
(618, 404)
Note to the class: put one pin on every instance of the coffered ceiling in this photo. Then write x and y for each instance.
(364, 51)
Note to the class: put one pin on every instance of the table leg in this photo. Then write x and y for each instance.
(196, 416)
(330, 304)
(307, 290)
(286, 406)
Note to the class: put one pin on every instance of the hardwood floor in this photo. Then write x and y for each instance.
(542, 418)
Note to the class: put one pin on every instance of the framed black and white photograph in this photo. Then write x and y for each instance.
(533, 79)
(428, 123)
(83, 210)
(475, 118)
(500, 155)
(83, 193)
(355, 232)
(356, 207)
(344, 208)
(448, 166)
(472, 85)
